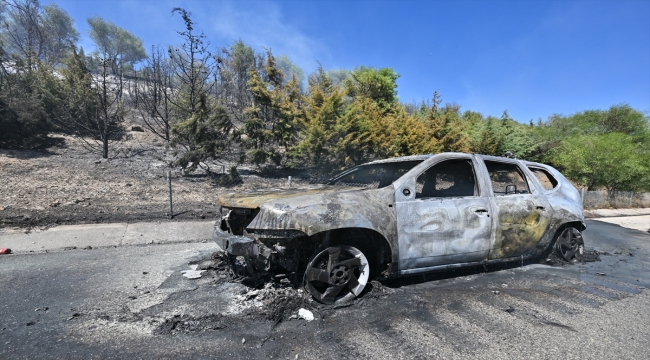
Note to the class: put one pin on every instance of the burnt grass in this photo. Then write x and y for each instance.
(67, 184)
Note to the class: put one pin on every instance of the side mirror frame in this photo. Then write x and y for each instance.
(511, 189)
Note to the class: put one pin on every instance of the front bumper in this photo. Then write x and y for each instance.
(235, 244)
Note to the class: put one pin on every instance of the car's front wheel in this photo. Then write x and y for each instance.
(337, 274)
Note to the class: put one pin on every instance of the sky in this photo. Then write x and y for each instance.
(531, 58)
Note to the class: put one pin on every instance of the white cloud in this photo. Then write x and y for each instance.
(262, 25)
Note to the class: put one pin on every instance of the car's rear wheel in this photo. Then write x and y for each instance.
(337, 274)
(569, 244)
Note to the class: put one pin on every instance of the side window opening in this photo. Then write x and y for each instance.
(507, 179)
(451, 178)
(545, 178)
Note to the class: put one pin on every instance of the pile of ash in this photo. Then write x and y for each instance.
(588, 256)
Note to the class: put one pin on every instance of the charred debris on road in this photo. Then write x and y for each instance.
(279, 296)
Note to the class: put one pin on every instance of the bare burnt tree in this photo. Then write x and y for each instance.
(5, 66)
(110, 111)
(22, 31)
(96, 110)
(154, 92)
(202, 128)
(193, 66)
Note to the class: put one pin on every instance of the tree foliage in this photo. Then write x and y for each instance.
(25, 109)
(115, 45)
(31, 32)
(323, 111)
(30, 97)
(378, 85)
(447, 127)
(290, 69)
(608, 160)
(202, 126)
(60, 33)
(274, 116)
(601, 148)
(193, 66)
(488, 141)
(234, 64)
(203, 136)
(81, 99)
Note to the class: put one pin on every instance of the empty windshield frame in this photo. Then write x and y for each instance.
(375, 176)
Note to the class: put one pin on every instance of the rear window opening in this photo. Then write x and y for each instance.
(503, 176)
(545, 178)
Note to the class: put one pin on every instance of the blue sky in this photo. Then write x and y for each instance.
(533, 58)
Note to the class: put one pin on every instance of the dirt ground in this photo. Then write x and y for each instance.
(68, 184)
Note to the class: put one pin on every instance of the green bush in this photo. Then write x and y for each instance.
(22, 127)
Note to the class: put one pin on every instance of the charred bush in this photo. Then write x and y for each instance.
(231, 179)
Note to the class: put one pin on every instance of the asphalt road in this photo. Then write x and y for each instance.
(132, 302)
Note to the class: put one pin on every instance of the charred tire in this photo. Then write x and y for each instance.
(337, 274)
(569, 244)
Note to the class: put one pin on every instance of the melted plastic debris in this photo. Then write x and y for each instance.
(193, 273)
(305, 314)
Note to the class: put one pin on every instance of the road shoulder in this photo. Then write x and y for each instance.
(105, 235)
(605, 213)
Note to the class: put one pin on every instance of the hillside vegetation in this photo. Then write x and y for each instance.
(241, 106)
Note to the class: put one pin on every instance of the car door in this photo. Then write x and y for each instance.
(443, 217)
(522, 214)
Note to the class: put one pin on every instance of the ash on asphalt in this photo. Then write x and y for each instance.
(274, 298)
(271, 298)
(222, 300)
(185, 324)
(237, 300)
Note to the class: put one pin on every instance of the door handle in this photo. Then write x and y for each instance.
(540, 208)
(481, 212)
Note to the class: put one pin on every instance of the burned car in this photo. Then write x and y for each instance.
(402, 216)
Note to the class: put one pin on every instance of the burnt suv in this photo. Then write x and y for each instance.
(402, 216)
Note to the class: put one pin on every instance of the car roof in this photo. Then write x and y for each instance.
(427, 156)
(401, 158)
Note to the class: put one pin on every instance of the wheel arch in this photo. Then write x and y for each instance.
(576, 224)
(546, 246)
(371, 240)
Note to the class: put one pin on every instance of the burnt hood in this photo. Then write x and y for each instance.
(253, 199)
